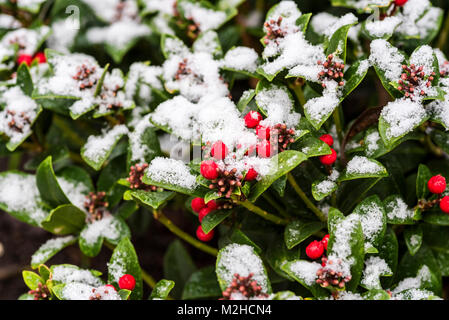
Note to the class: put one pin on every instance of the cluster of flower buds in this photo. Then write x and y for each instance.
(437, 185)
(328, 159)
(136, 173)
(109, 95)
(444, 69)
(226, 181)
(86, 76)
(16, 121)
(412, 79)
(96, 206)
(327, 276)
(28, 60)
(99, 293)
(41, 292)
(244, 286)
(332, 71)
(273, 30)
(284, 135)
(121, 12)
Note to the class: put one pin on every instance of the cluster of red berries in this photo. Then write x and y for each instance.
(244, 286)
(274, 30)
(86, 76)
(126, 282)
(96, 206)
(329, 159)
(412, 78)
(26, 58)
(17, 121)
(136, 173)
(199, 206)
(332, 71)
(437, 185)
(316, 248)
(327, 276)
(41, 292)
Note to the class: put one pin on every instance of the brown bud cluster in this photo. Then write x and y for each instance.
(135, 178)
(332, 71)
(96, 295)
(121, 12)
(17, 121)
(274, 30)
(41, 292)
(96, 206)
(327, 277)
(245, 286)
(284, 135)
(86, 76)
(444, 69)
(226, 182)
(109, 96)
(412, 79)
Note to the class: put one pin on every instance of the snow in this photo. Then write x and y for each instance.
(372, 143)
(62, 36)
(305, 271)
(97, 147)
(362, 165)
(75, 191)
(387, 58)
(81, 291)
(327, 185)
(171, 171)
(397, 209)
(242, 59)
(117, 267)
(163, 6)
(118, 34)
(47, 250)
(27, 39)
(241, 259)
(139, 149)
(141, 74)
(108, 227)
(19, 193)
(372, 220)
(320, 107)
(9, 22)
(206, 19)
(440, 110)
(423, 276)
(382, 28)
(374, 268)
(69, 274)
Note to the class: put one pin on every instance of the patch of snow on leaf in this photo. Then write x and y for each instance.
(374, 268)
(422, 278)
(398, 209)
(241, 59)
(46, 250)
(387, 58)
(305, 271)
(363, 165)
(68, 274)
(81, 291)
(108, 227)
(97, 147)
(171, 171)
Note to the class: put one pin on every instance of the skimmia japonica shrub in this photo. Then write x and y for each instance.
(309, 151)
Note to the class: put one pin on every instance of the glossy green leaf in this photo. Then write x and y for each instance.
(162, 289)
(298, 231)
(202, 284)
(65, 219)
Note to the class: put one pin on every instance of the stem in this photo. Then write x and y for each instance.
(14, 161)
(338, 124)
(297, 89)
(444, 33)
(304, 198)
(264, 214)
(275, 205)
(159, 216)
(148, 279)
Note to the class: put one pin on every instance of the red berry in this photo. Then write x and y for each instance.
(219, 150)
(315, 249)
(325, 240)
(400, 3)
(25, 58)
(263, 132)
(209, 169)
(252, 119)
(204, 212)
(327, 138)
(110, 286)
(444, 204)
(264, 149)
(329, 159)
(212, 204)
(251, 175)
(197, 204)
(40, 57)
(204, 236)
(127, 282)
(437, 184)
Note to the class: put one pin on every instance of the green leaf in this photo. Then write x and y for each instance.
(278, 254)
(370, 169)
(436, 217)
(176, 45)
(280, 164)
(124, 261)
(303, 21)
(149, 199)
(397, 211)
(24, 79)
(413, 236)
(162, 289)
(211, 195)
(312, 147)
(237, 236)
(323, 188)
(299, 270)
(338, 41)
(124, 294)
(202, 284)
(48, 185)
(65, 219)
(424, 175)
(373, 220)
(388, 251)
(242, 259)
(49, 249)
(376, 294)
(31, 279)
(353, 77)
(178, 266)
(199, 191)
(245, 99)
(213, 219)
(297, 231)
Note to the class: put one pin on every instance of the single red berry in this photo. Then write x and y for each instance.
(110, 286)
(197, 204)
(219, 150)
(25, 58)
(252, 119)
(400, 3)
(40, 57)
(264, 149)
(325, 240)
(329, 159)
(251, 175)
(444, 204)
(263, 132)
(209, 169)
(437, 184)
(204, 236)
(315, 249)
(127, 282)
(204, 212)
(212, 204)
(327, 138)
